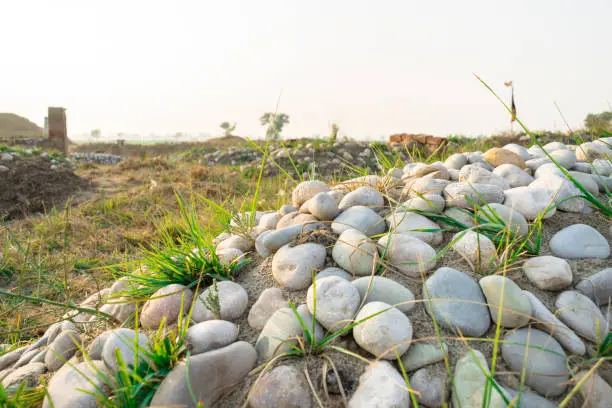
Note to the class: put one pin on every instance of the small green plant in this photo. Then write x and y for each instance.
(22, 396)
(212, 300)
(189, 260)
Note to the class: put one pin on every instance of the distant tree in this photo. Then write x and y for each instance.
(96, 133)
(178, 135)
(599, 122)
(275, 123)
(228, 128)
(333, 134)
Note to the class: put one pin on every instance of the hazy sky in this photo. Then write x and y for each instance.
(374, 67)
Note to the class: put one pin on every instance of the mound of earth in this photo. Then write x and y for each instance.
(12, 125)
(226, 141)
(35, 184)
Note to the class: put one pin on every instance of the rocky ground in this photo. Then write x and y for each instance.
(486, 277)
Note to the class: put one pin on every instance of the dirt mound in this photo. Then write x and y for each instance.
(12, 125)
(226, 141)
(31, 185)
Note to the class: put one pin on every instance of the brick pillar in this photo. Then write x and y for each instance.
(57, 129)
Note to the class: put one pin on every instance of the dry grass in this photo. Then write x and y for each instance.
(65, 255)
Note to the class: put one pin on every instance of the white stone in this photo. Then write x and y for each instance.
(548, 272)
(514, 175)
(466, 195)
(380, 386)
(269, 301)
(210, 335)
(323, 206)
(306, 190)
(531, 202)
(502, 293)
(407, 254)
(228, 301)
(336, 300)
(385, 333)
(413, 224)
(477, 250)
(499, 213)
(356, 253)
(582, 315)
(545, 320)
(381, 289)
(365, 196)
(361, 218)
(292, 267)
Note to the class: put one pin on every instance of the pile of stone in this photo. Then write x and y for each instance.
(98, 158)
(322, 159)
(373, 226)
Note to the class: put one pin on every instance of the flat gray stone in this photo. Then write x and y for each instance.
(457, 302)
(335, 302)
(469, 382)
(365, 196)
(416, 225)
(548, 322)
(597, 287)
(360, 218)
(432, 386)
(381, 385)
(382, 335)
(421, 354)
(502, 293)
(62, 349)
(208, 376)
(127, 342)
(582, 315)
(69, 387)
(210, 335)
(269, 301)
(355, 253)
(282, 326)
(28, 374)
(528, 399)
(381, 289)
(292, 267)
(228, 302)
(548, 272)
(282, 387)
(541, 357)
(408, 254)
(579, 241)
(165, 304)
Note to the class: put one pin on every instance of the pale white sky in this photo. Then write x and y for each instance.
(375, 67)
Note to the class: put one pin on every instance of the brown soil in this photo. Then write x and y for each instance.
(258, 277)
(30, 186)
